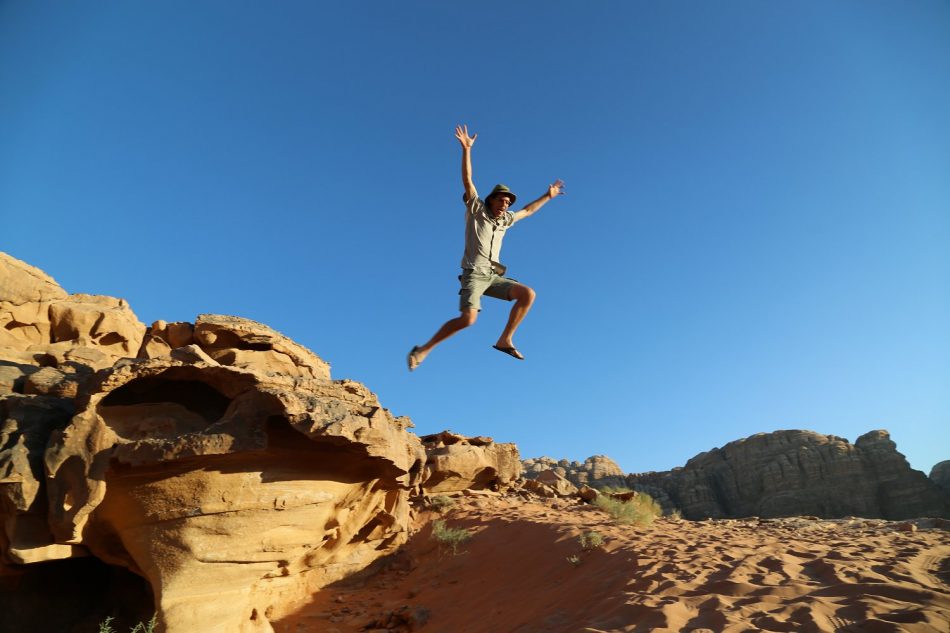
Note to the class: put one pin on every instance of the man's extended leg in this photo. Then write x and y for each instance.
(523, 297)
(464, 320)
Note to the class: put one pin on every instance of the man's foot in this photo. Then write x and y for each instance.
(415, 358)
(511, 351)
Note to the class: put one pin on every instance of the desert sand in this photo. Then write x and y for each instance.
(515, 575)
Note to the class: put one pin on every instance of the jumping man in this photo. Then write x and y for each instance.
(482, 274)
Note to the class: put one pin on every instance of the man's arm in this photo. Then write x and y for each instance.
(461, 133)
(554, 190)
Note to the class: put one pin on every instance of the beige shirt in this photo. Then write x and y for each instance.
(483, 234)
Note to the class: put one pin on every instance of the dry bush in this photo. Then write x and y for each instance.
(450, 537)
(442, 503)
(590, 540)
(640, 509)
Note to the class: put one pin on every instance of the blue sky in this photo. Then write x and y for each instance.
(756, 234)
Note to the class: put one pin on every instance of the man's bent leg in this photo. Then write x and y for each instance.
(450, 327)
(523, 297)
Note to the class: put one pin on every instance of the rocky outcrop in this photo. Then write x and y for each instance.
(940, 475)
(21, 283)
(211, 479)
(597, 471)
(42, 325)
(455, 463)
(789, 473)
(214, 458)
(548, 483)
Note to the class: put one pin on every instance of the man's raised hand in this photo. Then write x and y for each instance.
(556, 189)
(461, 133)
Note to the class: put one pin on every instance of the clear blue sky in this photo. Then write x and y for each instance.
(756, 234)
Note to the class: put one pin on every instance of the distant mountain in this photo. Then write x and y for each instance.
(780, 474)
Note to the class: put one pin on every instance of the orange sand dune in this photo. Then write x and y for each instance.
(796, 574)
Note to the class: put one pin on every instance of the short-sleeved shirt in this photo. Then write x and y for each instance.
(483, 234)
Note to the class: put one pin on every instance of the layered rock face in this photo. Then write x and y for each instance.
(789, 473)
(215, 459)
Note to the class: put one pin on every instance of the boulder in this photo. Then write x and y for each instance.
(560, 485)
(538, 488)
(588, 494)
(455, 463)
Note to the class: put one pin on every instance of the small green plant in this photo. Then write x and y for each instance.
(441, 503)
(146, 627)
(676, 514)
(574, 560)
(142, 627)
(450, 537)
(590, 540)
(640, 509)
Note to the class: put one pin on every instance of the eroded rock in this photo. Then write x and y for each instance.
(213, 479)
(42, 325)
(456, 463)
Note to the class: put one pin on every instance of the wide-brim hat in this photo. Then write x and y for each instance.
(502, 189)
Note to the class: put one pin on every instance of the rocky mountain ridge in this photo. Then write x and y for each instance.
(780, 474)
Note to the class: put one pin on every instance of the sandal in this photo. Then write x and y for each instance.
(511, 351)
(411, 358)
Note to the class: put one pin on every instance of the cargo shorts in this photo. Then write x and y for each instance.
(476, 284)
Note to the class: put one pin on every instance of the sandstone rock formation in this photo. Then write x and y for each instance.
(214, 458)
(788, 473)
(940, 475)
(597, 471)
(42, 325)
(456, 463)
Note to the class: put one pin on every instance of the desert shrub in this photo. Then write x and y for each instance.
(145, 627)
(450, 537)
(590, 540)
(441, 503)
(640, 509)
(613, 490)
(676, 514)
(142, 627)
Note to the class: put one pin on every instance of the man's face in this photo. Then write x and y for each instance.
(499, 203)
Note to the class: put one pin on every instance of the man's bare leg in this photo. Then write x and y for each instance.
(450, 327)
(524, 298)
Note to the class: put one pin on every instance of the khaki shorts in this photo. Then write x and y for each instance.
(474, 285)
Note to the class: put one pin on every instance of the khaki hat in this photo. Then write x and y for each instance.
(502, 189)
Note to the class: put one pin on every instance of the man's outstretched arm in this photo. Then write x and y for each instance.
(461, 133)
(554, 190)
